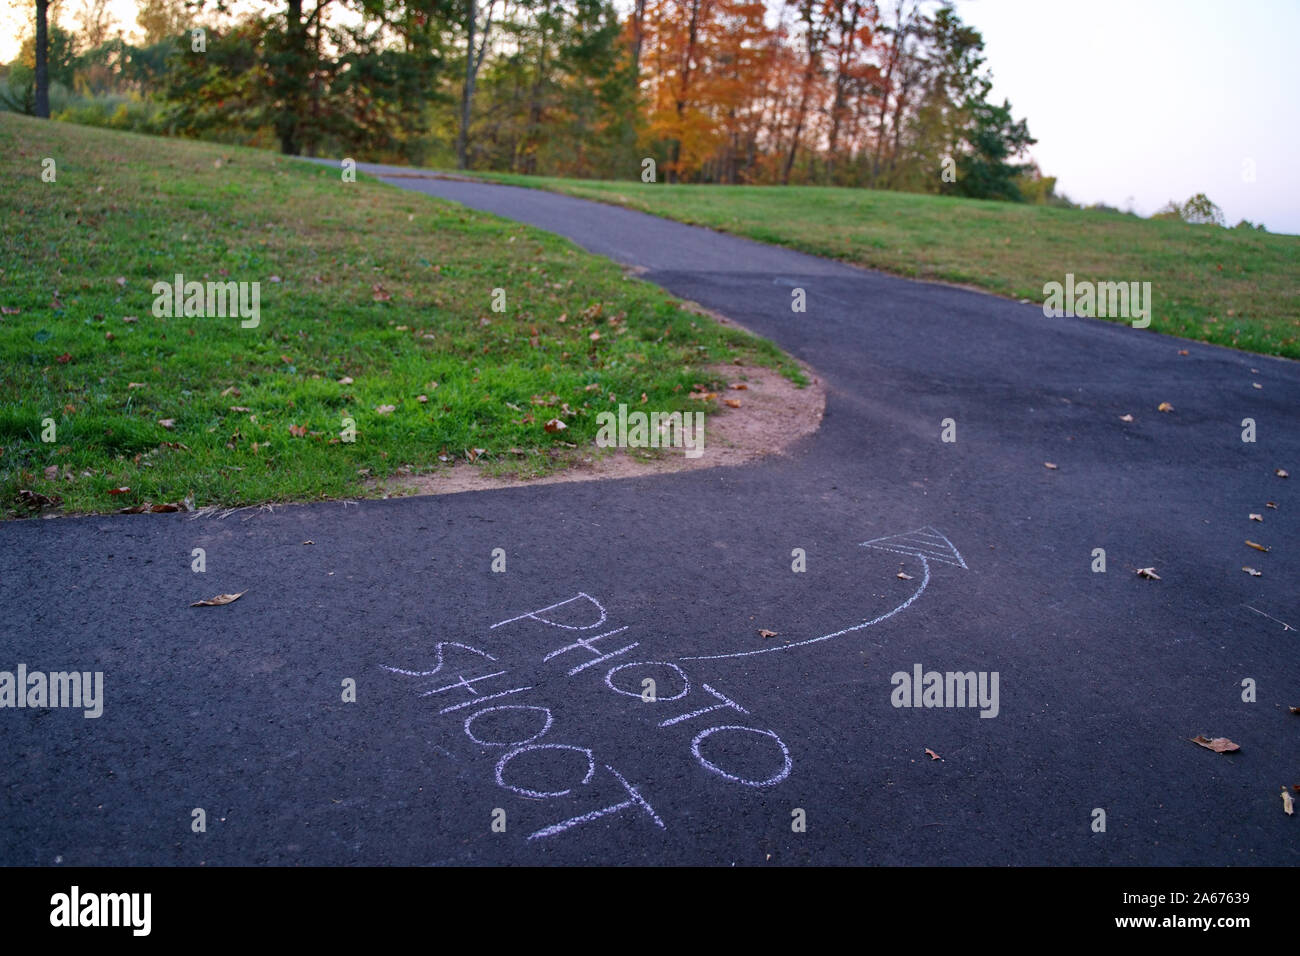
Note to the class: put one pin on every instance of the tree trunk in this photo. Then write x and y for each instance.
(467, 92)
(42, 107)
(295, 41)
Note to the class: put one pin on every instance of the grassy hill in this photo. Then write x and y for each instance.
(1238, 288)
(376, 306)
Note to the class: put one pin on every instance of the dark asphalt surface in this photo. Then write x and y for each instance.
(1102, 677)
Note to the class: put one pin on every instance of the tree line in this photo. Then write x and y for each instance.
(892, 94)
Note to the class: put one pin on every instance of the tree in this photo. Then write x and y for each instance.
(473, 61)
(161, 20)
(992, 139)
(42, 105)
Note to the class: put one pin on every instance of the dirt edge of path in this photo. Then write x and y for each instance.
(773, 414)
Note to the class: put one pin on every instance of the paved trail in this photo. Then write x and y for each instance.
(466, 705)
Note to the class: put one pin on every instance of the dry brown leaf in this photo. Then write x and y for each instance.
(731, 402)
(118, 491)
(1271, 504)
(904, 576)
(1281, 473)
(931, 754)
(1256, 545)
(52, 472)
(1148, 573)
(1220, 745)
(555, 425)
(36, 500)
(1288, 803)
(231, 391)
(422, 399)
(1182, 352)
(240, 408)
(1126, 418)
(385, 409)
(1255, 517)
(219, 600)
(298, 431)
(1252, 572)
(763, 632)
(167, 422)
(135, 385)
(1049, 466)
(1295, 710)
(738, 386)
(1164, 407)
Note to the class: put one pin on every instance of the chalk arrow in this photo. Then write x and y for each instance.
(923, 542)
(926, 543)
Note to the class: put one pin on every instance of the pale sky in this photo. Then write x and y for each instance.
(1155, 99)
(1133, 102)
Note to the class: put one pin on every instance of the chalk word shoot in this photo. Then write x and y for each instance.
(711, 714)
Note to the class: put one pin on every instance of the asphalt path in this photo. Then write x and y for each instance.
(503, 717)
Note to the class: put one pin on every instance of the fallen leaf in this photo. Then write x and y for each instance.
(1126, 418)
(240, 408)
(309, 541)
(135, 384)
(298, 431)
(422, 399)
(1164, 407)
(167, 422)
(1256, 385)
(219, 600)
(1281, 473)
(65, 358)
(1255, 517)
(380, 295)
(385, 409)
(1271, 504)
(36, 500)
(129, 319)
(121, 281)
(1049, 466)
(931, 754)
(1256, 546)
(1288, 803)
(731, 402)
(52, 472)
(738, 386)
(1252, 572)
(1148, 573)
(8, 310)
(763, 632)
(904, 576)
(345, 380)
(1295, 710)
(555, 425)
(1182, 351)
(1219, 745)
(118, 491)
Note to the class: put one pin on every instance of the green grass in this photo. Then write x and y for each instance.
(1237, 288)
(358, 280)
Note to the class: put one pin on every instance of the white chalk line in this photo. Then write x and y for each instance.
(925, 582)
